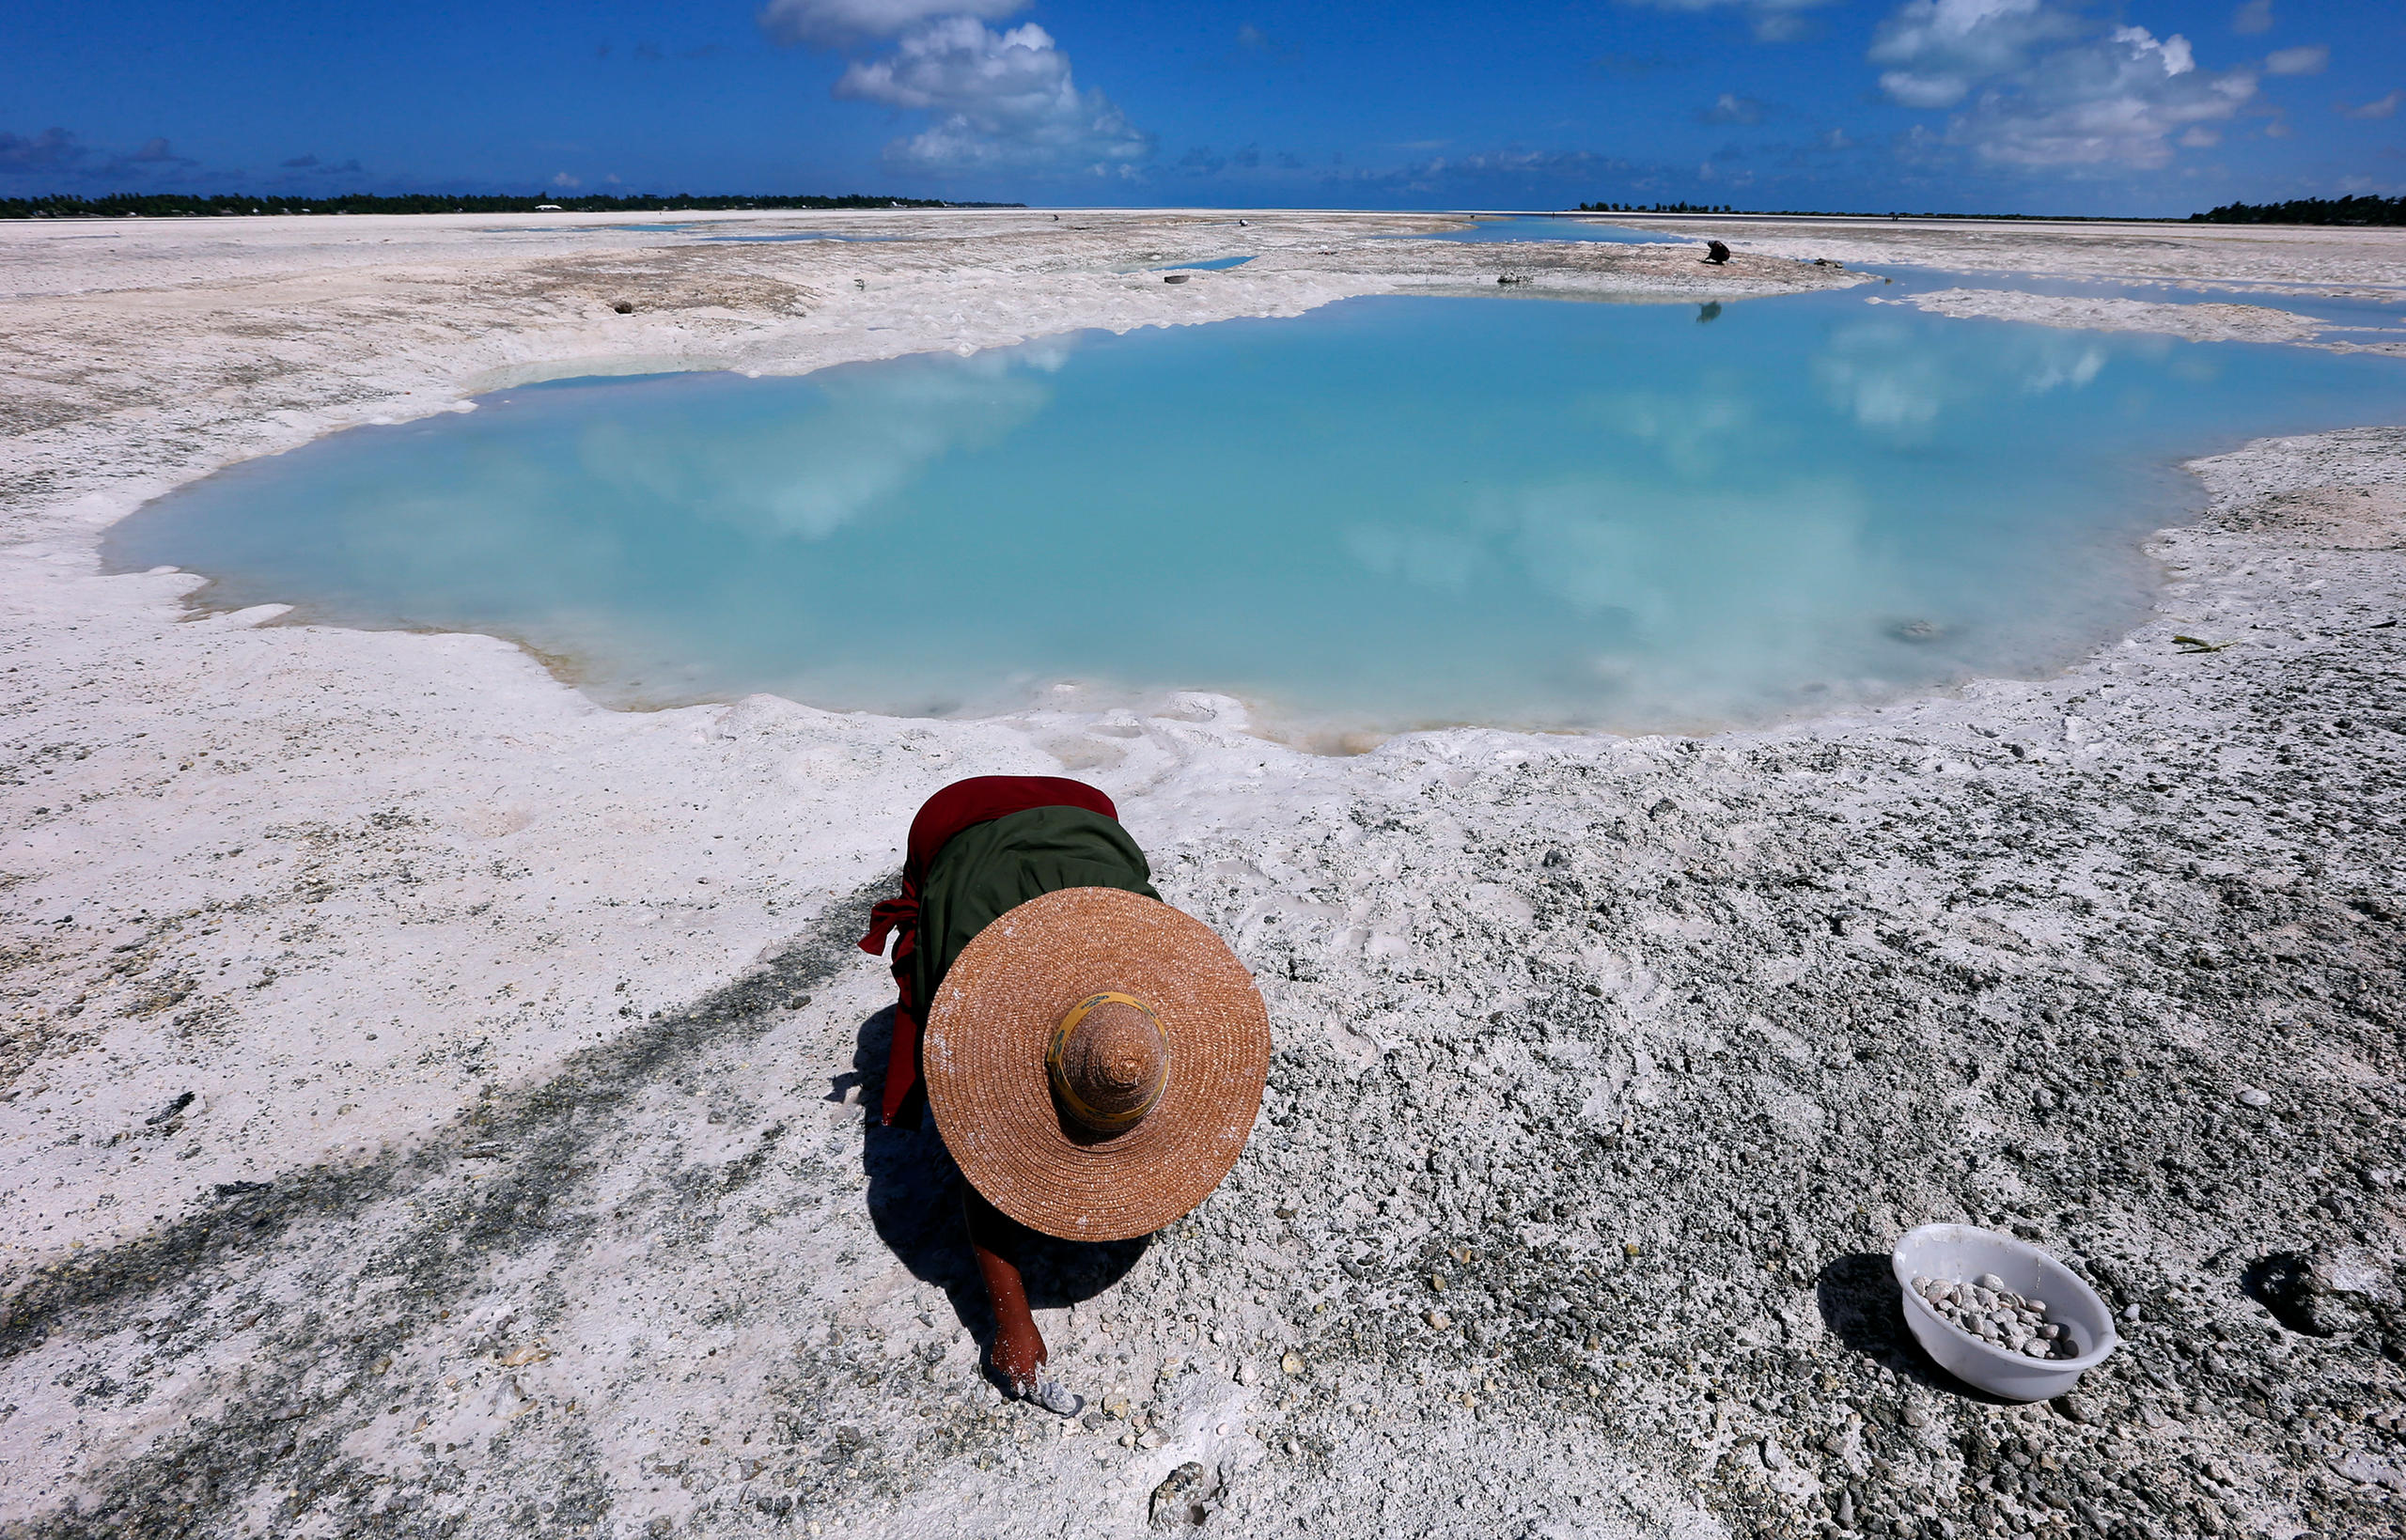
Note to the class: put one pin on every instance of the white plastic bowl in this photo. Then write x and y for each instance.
(1962, 1251)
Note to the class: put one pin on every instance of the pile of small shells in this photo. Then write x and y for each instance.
(1986, 1308)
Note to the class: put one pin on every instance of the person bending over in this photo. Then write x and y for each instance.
(1093, 1058)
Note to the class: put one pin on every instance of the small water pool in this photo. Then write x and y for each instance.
(1390, 512)
(1217, 264)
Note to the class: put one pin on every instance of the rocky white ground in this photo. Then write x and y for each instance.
(433, 1102)
(2198, 322)
(2230, 258)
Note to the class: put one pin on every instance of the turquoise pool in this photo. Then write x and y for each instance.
(1387, 513)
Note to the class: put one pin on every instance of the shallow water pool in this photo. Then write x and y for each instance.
(1389, 512)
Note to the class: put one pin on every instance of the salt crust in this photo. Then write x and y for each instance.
(2205, 322)
(354, 890)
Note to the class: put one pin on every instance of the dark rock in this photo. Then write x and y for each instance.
(1715, 252)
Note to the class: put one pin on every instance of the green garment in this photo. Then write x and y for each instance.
(990, 868)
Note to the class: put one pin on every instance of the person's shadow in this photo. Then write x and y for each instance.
(915, 1196)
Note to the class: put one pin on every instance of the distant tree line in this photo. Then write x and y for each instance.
(2361, 209)
(1656, 209)
(177, 205)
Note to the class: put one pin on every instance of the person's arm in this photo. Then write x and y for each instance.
(1019, 1349)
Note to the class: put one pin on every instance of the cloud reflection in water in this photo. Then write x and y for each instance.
(1386, 513)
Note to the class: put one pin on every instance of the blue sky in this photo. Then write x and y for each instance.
(2003, 105)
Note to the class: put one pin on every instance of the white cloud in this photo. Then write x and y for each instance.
(2308, 60)
(831, 22)
(2173, 53)
(2039, 84)
(1532, 168)
(1939, 49)
(1731, 108)
(1774, 20)
(2254, 16)
(999, 99)
(2380, 106)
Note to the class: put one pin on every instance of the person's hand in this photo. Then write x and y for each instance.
(1017, 1349)
(1018, 1353)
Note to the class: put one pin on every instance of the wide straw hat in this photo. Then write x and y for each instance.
(1094, 1060)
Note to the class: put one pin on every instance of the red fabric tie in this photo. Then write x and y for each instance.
(963, 804)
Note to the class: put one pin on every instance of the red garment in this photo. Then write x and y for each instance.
(960, 805)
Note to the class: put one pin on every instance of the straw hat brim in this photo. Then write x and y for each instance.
(984, 1062)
